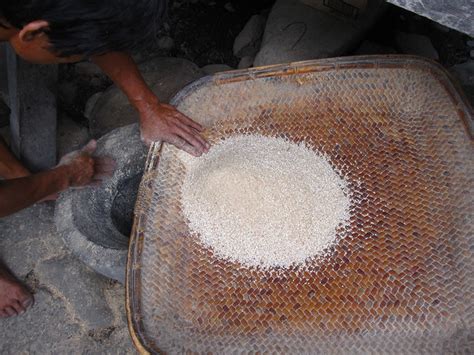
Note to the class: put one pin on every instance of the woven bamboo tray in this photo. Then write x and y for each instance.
(403, 278)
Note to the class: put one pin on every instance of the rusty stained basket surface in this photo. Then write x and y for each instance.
(401, 281)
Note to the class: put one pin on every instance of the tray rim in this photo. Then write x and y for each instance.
(449, 83)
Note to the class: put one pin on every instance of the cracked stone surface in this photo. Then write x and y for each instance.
(76, 311)
(457, 14)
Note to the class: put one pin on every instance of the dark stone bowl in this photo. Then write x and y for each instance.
(95, 223)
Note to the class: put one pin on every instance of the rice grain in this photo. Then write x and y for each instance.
(264, 202)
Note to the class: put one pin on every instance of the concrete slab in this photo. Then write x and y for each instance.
(31, 247)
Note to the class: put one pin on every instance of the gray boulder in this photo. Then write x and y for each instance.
(165, 76)
(247, 43)
(297, 31)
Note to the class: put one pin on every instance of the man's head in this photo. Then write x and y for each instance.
(49, 31)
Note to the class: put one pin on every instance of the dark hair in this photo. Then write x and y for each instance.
(89, 27)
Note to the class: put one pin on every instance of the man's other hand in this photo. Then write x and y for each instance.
(84, 169)
(163, 122)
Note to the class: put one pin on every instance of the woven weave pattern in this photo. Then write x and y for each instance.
(402, 279)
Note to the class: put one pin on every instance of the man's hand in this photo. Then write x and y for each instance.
(158, 121)
(76, 169)
(163, 122)
(84, 170)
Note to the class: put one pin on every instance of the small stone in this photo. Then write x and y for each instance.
(215, 68)
(166, 43)
(228, 6)
(248, 41)
(246, 62)
(411, 43)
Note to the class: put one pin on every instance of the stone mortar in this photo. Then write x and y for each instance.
(95, 222)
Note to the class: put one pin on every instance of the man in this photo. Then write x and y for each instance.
(63, 31)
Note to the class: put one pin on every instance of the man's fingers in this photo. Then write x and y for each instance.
(193, 141)
(105, 164)
(183, 145)
(90, 147)
(189, 122)
(93, 183)
(104, 168)
(203, 145)
(10, 311)
(18, 308)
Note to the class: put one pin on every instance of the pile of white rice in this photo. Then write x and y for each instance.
(264, 202)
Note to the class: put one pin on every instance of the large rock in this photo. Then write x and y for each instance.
(247, 43)
(296, 31)
(165, 76)
(457, 14)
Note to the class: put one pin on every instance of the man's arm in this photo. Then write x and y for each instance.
(10, 167)
(20, 193)
(158, 121)
(74, 170)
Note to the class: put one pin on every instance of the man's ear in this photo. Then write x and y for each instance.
(32, 30)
